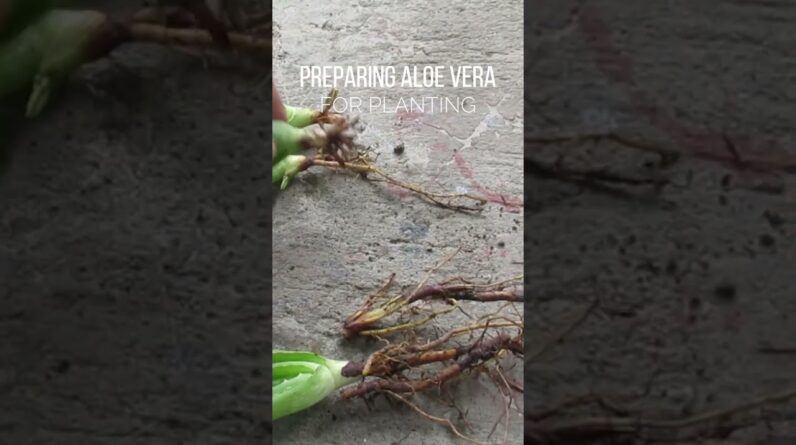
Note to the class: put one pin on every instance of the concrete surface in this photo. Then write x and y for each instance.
(695, 280)
(133, 224)
(337, 237)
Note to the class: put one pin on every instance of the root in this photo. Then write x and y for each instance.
(558, 408)
(364, 168)
(546, 426)
(728, 156)
(435, 419)
(381, 365)
(326, 116)
(589, 178)
(502, 383)
(562, 332)
(667, 156)
(405, 326)
(395, 358)
(464, 330)
(451, 291)
(334, 142)
(464, 292)
(472, 356)
(412, 366)
(590, 427)
(146, 32)
(178, 25)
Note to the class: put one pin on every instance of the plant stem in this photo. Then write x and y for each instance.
(146, 32)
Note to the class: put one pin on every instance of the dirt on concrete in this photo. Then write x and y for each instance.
(134, 236)
(696, 281)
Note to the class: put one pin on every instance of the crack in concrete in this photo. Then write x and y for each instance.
(467, 142)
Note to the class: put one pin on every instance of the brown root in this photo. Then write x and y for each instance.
(551, 424)
(147, 32)
(452, 291)
(559, 431)
(404, 368)
(468, 358)
(453, 201)
(768, 167)
(435, 419)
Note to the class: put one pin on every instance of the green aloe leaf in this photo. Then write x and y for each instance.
(300, 117)
(46, 51)
(16, 15)
(286, 169)
(288, 139)
(302, 379)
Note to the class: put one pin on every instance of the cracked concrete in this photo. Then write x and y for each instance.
(337, 237)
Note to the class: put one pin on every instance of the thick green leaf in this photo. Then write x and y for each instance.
(283, 171)
(288, 140)
(289, 370)
(47, 51)
(280, 356)
(300, 117)
(16, 15)
(302, 379)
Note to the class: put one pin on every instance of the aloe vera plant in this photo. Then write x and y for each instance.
(16, 15)
(289, 142)
(50, 48)
(302, 379)
(294, 134)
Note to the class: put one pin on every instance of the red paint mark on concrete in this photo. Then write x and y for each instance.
(732, 322)
(439, 147)
(611, 61)
(762, 156)
(512, 204)
(402, 193)
(407, 119)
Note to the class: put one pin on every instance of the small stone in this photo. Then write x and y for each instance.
(766, 240)
(62, 366)
(774, 219)
(725, 291)
(398, 149)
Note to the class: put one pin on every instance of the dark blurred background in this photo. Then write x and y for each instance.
(696, 279)
(135, 254)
